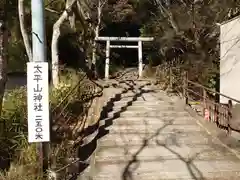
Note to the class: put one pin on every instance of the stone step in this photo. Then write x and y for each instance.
(149, 120)
(190, 139)
(130, 93)
(170, 169)
(135, 105)
(158, 113)
(145, 108)
(127, 97)
(134, 121)
(161, 128)
(229, 175)
(156, 153)
(152, 99)
(131, 103)
(125, 101)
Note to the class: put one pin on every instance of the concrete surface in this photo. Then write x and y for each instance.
(147, 135)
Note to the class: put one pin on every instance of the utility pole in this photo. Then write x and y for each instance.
(39, 56)
(38, 31)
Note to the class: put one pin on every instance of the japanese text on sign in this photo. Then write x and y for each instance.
(38, 102)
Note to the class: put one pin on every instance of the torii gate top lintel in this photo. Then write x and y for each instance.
(124, 39)
(103, 38)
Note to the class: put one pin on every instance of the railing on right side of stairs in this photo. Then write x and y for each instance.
(206, 101)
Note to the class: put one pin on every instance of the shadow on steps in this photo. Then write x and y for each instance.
(86, 151)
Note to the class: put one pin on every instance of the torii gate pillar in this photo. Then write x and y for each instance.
(140, 61)
(107, 60)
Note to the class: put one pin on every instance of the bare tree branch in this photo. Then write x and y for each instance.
(24, 33)
(52, 10)
(3, 50)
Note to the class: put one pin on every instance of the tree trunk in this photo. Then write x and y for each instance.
(55, 38)
(71, 18)
(3, 51)
(94, 46)
(23, 29)
(94, 50)
(54, 47)
(96, 32)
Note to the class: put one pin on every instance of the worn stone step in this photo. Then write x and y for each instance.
(130, 93)
(159, 113)
(161, 128)
(149, 120)
(190, 139)
(156, 153)
(152, 98)
(228, 176)
(140, 105)
(144, 108)
(170, 169)
(156, 95)
(132, 104)
(124, 99)
(122, 103)
(141, 102)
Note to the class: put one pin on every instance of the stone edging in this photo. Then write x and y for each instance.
(90, 138)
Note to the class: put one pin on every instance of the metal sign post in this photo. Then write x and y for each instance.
(37, 84)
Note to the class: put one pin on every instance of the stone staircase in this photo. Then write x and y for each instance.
(147, 135)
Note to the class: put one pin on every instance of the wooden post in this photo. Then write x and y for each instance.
(204, 101)
(107, 60)
(216, 110)
(140, 64)
(185, 86)
(170, 77)
(229, 116)
(217, 98)
(39, 149)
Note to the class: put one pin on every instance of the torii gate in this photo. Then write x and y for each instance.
(124, 39)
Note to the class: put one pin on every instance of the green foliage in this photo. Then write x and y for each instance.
(13, 124)
(186, 35)
(14, 114)
(17, 57)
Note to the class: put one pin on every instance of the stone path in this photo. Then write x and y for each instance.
(149, 136)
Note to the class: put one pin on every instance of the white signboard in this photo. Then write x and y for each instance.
(38, 102)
